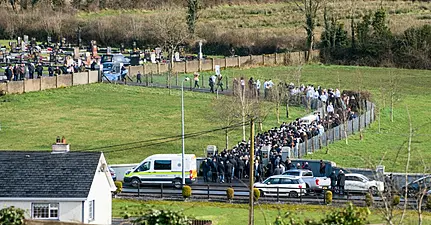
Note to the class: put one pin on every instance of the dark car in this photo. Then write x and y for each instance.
(113, 175)
(415, 188)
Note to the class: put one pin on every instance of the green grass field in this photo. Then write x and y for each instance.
(94, 116)
(222, 213)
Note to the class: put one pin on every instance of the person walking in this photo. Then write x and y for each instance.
(214, 171)
(229, 168)
(241, 166)
(139, 77)
(205, 170)
(31, 69)
(51, 70)
(219, 82)
(333, 178)
(39, 70)
(341, 182)
(211, 83)
(196, 79)
(221, 171)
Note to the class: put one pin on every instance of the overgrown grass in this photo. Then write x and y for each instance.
(222, 213)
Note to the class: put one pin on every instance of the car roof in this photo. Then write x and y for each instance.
(285, 176)
(298, 170)
(355, 174)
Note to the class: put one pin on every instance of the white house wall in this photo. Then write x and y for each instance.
(68, 211)
(100, 192)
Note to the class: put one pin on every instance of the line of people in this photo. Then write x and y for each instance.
(32, 71)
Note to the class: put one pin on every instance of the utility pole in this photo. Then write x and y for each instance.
(251, 177)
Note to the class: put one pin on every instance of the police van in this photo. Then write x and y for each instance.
(163, 168)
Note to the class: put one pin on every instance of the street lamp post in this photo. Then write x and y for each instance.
(182, 132)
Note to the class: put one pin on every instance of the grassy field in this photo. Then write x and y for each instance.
(99, 115)
(222, 213)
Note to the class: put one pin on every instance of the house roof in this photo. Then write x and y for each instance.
(40, 174)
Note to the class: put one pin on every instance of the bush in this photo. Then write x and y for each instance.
(328, 197)
(165, 217)
(12, 216)
(369, 201)
(119, 186)
(230, 194)
(428, 202)
(187, 191)
(347, 215)
(256, 194)
(395, 200)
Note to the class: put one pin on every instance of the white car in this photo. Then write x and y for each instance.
(287, 186)
(359, 183)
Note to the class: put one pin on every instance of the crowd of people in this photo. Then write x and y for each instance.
(227, 164)
(33, 71)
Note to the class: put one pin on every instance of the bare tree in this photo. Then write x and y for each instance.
(394, 93)
(309, 8)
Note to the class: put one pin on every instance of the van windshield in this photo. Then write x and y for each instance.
(144, 167)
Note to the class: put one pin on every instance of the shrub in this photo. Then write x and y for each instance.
(256, 194)
(187, 191)
(119, 186)
(165, 217)
(369, 200)
(395, 200)
(328, 197)
(428, 202)
(12, 216)
(347, 215)
(230, 194)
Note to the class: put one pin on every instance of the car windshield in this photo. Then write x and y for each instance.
(293, 173)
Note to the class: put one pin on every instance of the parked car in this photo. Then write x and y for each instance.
(415, 187)
(287, 186)
(359, 183)
(113, 175)
(312, 183)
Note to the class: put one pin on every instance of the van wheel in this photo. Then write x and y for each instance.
(177, 183)
(136, 182)
(293, 194)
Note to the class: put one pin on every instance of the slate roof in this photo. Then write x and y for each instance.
(25, 174)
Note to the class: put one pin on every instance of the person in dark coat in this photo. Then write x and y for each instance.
(289, 165)
(221, 171)
(39, 70)
(51, 70)
(341, 182)
(333, 178)
(205, 170)
(277, 170)
(258, 171)
(9, 72)
(214, 170)
(241, 166)
(31, 70)
(229, 167)
(322, 169)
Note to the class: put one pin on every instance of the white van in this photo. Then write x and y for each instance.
(307, 120)
(163, 168)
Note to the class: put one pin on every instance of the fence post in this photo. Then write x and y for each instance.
(339, 132)
(212, 64)
(185, 66)
(353, 128)
(263, 59)
(200, 65)
(144, 69)
(306, 145)
(239, 61)
(191, 80)
(275, 60)
(202, 81)
(151, 76)
(312, 144)
(333, 135)
(139, 190)
(278, 194)
(208, 191)
(300, 194)
(225, 62)
(176, 79)
(299, 150)
(167, 80)
(227, 83)
(251, 59)
(161, 190)
(158, 67)
(146, 79)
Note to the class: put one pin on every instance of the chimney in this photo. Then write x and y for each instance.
(60, 146)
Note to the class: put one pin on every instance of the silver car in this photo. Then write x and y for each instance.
(285, 185)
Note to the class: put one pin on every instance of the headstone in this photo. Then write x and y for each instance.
(217, 69)
(177, 56)
(108, 50)
(26, 38)
(153, 57)
(76, 53)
